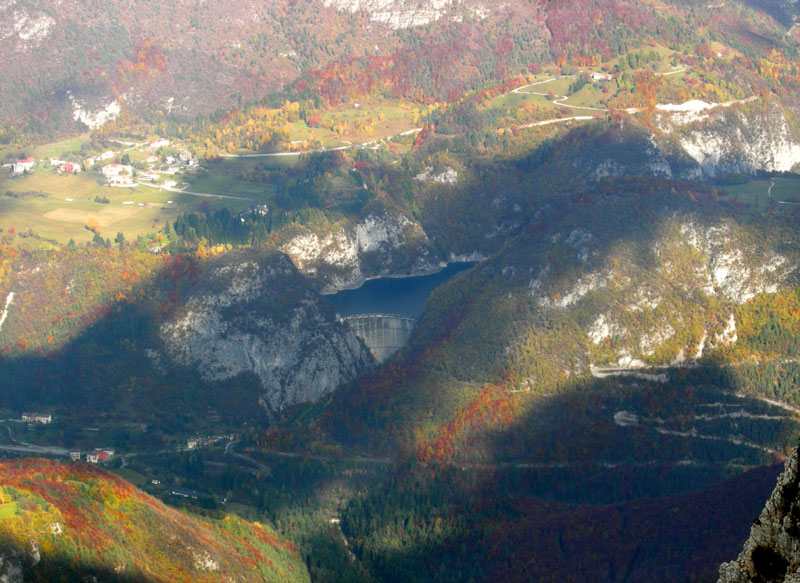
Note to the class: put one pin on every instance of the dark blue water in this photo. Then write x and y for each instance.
(393, 295)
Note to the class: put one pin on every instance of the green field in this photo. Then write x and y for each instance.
(757, 192)
(589, 96)
(58, 207)
(8, 509)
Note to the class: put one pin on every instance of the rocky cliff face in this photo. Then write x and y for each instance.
(10, 569)
(403, 13)
(653, 297)
(696, 140)
(253, 312)
(380, 244)
(733, 138)
(772, 553)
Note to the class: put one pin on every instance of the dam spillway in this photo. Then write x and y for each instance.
(383, 334)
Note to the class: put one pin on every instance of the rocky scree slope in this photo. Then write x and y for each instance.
(253, 312)
(772, 552)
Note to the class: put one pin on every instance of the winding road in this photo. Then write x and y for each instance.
(201, 194)
(559, 99)
(349, 146)
(769, 193)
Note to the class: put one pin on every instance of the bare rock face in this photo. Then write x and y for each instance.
(253, 312)
(379, 244)
(695, 140)
(10, 569)
(772, 553)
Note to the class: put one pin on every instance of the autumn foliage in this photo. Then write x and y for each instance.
(92, 521)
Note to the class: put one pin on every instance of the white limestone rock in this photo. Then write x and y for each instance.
(380, 244)
(252, 312)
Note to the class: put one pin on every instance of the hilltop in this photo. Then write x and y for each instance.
(77, 521)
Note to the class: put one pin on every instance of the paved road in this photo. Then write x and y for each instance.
(560, 99)
(349, 146)
(769, 193)
(35, 449)
(201, 194)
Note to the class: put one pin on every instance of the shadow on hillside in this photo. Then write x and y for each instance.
(573, 492)
(35, 567)
(491, 533)
(582, 491)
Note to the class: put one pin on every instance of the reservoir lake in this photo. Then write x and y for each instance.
(405, 296)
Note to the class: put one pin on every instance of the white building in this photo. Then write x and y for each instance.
(121, 181)
(159, 144)
(116, 170)
(21, 166)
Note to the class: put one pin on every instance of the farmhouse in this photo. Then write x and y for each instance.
(116, 170)
(99, 455)
(597, 76)
(39, 418)
(24, 165)
(159, 144)
(70, 168)
(121, 181)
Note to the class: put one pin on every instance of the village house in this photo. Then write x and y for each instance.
(159, 144)
(39, 418)
(75, 455)
(24, 165)
(597, 76)
(121, 182)
(64, 166)
(70, 168)
(99, 158)
(116, 170)
(152, 176)
(99, 455)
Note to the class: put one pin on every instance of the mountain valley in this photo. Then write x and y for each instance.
(602, 387)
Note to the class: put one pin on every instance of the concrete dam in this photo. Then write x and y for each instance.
(384, 334)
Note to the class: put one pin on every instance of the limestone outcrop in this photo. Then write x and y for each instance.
(772, 553)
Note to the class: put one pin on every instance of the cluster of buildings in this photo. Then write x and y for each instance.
(99, 158)
(93, 457)
(38, 418)
(118, 175)
(65, 167)
(122, 175)
(200, 441)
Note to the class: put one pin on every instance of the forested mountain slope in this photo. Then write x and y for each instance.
(73, 522)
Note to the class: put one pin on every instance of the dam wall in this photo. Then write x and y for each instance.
(383, 334)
